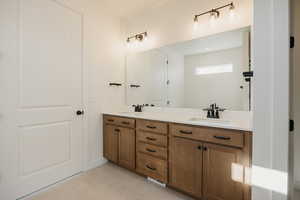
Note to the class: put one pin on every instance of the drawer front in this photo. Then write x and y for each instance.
(189, 132)
(225, 137)
(110, 120)
(120, 121)
(151, 138)
(156, 151)
(207, 134)
(152, 126)
(152, 167)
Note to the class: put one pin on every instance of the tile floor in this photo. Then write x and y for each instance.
(109, 182)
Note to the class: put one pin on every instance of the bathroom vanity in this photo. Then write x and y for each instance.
(204, 159)
(180, 140)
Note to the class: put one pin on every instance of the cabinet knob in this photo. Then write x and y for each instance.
(199, 147)
(79, 112)
(205, 148)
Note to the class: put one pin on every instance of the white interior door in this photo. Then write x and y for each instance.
(42, 134)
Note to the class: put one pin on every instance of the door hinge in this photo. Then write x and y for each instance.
(248, 75)
(292, 125)
(292, 42)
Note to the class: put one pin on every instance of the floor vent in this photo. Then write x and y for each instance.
(156, 182)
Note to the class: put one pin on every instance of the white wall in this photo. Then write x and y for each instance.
(296, 91)
(210, 87)
(270, 56)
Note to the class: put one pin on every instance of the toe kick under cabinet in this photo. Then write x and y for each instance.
(205, 163)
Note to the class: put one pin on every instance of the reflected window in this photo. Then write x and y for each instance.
(214, 69)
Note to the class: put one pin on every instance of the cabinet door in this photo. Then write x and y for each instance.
(111, 143)
(127, 148)
(222, 173)
(186, 165)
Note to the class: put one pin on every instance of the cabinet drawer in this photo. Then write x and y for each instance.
(225, 137)
(186, 132)
(156, 151)
(152, 126)
(152, 167)
(207, 134)
(119, 121)
(151, 138)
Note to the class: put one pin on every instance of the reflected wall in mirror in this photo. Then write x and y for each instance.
(193, 74)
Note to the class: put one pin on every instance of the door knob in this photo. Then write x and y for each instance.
(79, 112)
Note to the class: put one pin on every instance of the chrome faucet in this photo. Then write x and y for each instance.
(214, 111)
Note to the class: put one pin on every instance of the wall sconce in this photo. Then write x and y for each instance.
(138, 37)
(215, 12)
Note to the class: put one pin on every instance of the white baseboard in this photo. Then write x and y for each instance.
(297, 185)
(95, 163)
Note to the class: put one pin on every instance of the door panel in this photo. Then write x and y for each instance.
(44, 146)
(222, 173)
(111, 143)
(50, 51)
(186, 165)
(127, 148)
(42, 129)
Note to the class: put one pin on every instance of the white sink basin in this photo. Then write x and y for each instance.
(202, 119)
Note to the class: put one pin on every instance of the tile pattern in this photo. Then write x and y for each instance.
(109, 182)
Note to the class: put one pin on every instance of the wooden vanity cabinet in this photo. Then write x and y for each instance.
(111, 143)
(222, 173)
(186, 165)
(127, 148)
(119, 141)
(211, 171)
(204, 162)
(151, 150)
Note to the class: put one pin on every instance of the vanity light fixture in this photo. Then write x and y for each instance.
(138, 37)
(215, 12)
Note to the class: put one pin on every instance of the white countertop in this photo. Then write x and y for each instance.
(199, 119)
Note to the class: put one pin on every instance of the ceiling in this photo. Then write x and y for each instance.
(129, 8)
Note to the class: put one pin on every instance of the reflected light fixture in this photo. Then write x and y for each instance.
(138, 37)
(215, 12)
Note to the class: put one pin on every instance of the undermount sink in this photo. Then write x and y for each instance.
(203, 119)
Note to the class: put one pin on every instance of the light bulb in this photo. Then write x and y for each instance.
(146, 37)
(212, 20)
(128, 42)
(231, 11)
(196, 23)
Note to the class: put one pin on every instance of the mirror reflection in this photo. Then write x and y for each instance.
(193, 74)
